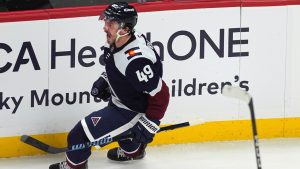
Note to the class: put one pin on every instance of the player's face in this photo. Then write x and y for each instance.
(111, 28)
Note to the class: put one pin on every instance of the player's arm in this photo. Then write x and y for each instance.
(145, 78)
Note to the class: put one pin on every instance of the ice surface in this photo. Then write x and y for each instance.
(275, 154)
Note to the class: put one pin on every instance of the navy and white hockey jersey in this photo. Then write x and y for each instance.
(134, 74)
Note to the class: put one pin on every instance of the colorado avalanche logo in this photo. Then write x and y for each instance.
(95, 120)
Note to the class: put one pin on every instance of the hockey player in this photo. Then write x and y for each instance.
(132, 82)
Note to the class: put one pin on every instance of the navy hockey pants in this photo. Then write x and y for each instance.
(110, 120)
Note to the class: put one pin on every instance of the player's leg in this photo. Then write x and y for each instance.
(111, 121)
(119, 122)
(127, 151)
(75, 159)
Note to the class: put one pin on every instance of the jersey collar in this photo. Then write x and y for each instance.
(115, 50)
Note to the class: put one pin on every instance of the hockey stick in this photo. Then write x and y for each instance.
(238, 93)
(101, 142)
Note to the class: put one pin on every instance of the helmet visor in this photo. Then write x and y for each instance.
(102, 16)
(107, 15)
(107, 18)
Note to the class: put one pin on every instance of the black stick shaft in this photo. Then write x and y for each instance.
(107, 140)
(102, 142)
(175, 126)
(255, 135)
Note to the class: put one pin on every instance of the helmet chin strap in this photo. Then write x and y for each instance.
(119, 36)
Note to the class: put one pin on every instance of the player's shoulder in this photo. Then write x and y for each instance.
(135, 54)
(140, 48)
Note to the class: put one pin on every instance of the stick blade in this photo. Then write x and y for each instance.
(236, 92)
(40, 145)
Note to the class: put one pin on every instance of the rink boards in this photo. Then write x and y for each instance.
(50, 58)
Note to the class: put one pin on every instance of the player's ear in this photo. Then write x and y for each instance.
(125, 30)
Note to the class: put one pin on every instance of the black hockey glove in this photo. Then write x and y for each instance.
(106, 54)
(101, 89)
(105, 95)
(144, 130)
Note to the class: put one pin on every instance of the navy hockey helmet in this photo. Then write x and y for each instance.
(121, 12)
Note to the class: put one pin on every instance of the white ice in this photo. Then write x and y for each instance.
(275, 154)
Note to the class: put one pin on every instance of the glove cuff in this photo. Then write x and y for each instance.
(150, 125)
(156, 121)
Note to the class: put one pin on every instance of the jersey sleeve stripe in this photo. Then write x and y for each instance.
(158, 88)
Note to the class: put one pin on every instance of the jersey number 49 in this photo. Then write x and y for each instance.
(144, 74)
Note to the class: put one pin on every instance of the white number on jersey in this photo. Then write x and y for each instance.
(145, 74)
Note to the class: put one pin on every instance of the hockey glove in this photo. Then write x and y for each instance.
(106, 54)
(100, 88)
(144, 130)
